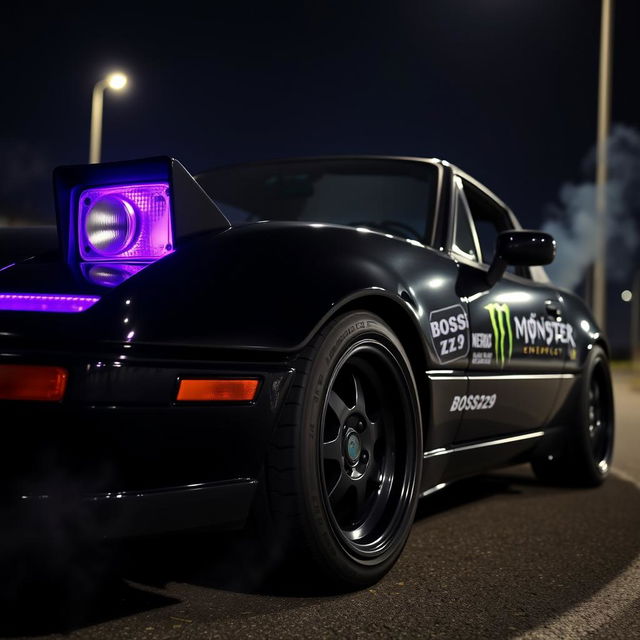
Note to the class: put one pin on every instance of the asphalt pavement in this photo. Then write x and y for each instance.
(500, 556)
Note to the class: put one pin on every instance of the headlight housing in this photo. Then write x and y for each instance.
(125, 222)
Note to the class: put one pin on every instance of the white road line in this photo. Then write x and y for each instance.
(600, 609)
(623, 475)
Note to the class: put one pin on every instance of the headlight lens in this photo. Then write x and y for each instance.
(124, 223)
(110, 225)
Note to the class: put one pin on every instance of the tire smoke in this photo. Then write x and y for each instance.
(572, 221)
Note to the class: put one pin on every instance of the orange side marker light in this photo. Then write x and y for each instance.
(217, 390)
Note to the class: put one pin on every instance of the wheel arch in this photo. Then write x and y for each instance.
(601, 342)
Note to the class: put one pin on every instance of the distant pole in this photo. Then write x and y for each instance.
(96, 122)
(635, 321)
(599, 290)
(116, 81)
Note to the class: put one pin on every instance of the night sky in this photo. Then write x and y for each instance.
(505, 89)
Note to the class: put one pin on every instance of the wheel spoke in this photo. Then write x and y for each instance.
(369, 437)
(359, 405)
(598, 439)
(338, 406)
(340, 488)
(332, 450)
(594, 403)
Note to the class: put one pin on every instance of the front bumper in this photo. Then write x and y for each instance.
(216, 505)
(120, 452)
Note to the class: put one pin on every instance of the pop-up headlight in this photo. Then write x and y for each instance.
(126, 222)
(114, 220)
(131, 212)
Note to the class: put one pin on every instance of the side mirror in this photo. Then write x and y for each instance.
(520, 248)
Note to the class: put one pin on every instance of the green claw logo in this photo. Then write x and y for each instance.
(501, 324)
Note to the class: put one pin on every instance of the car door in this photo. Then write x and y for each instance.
(519, 339)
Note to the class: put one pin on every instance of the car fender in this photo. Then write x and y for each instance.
(264, 286)
(587, 333)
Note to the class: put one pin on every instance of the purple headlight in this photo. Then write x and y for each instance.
(110, 225)
(127, 222)
(46, 302)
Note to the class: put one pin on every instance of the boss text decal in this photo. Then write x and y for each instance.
(449, 329)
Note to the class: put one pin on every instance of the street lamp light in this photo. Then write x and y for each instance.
(115, 81)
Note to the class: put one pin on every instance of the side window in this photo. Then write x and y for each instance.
(465, 241)
(489, 219)
(487, 234)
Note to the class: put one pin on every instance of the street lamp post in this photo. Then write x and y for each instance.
(635, 322)
(599, 272)
(116, 81)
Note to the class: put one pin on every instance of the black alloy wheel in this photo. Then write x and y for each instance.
(600, 419)
(367, 471)
(585, 459)
(349, 449)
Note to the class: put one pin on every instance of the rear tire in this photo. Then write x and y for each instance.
(586, 458)
(344, 465)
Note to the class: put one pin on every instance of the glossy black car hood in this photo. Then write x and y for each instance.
(215, 290)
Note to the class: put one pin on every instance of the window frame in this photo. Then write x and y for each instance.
(459, 177)
(461, 198)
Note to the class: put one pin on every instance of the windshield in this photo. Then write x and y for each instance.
(393, 196)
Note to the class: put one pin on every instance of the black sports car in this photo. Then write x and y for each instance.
(320, 342)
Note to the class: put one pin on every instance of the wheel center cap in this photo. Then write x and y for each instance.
(353, 447)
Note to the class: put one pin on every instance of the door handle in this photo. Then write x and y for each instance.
(553, 309)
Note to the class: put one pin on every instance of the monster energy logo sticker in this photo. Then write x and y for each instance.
(502, 333)
(537, 335)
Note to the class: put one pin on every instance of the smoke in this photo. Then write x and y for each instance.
(572, 221)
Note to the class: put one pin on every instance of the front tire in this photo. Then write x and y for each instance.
(586, 458)
(345, 462)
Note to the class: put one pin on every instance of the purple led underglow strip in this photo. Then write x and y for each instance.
(52, 303)
(125, 222)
